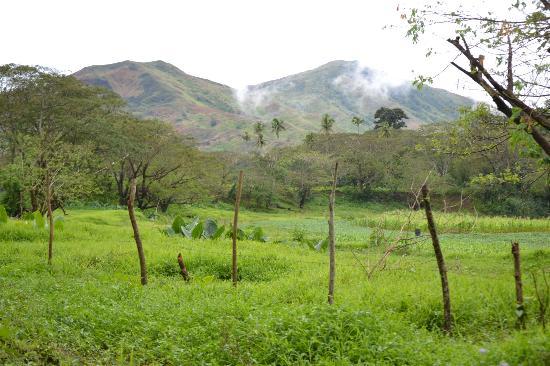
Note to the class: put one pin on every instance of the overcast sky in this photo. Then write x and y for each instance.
(235, 42)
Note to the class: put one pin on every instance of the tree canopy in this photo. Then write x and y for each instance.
(515, 35)
(393, 117)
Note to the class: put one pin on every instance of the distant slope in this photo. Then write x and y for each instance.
(205, 109)
(344, 90)
(217, 115)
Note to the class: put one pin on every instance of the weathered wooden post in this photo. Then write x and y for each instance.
(183, 269)
(137, 238)
(520, 309)
(49, 187)
(235, 222)
(440, 261)
(331, 238)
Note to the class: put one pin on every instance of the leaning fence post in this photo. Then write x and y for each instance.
(235, 221)
(331, 238)
(137, 238)
(183, 269)
(440, 261)
(520, 310)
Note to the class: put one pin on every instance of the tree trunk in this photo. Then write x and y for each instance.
(440, 262)
(50, 217)
(135, 228)
(34, 200)
(520, 310)
(235, 222)
(331, 238)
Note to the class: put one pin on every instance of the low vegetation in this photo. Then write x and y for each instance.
(88, 307)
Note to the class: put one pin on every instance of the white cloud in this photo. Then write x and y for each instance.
(371, 82)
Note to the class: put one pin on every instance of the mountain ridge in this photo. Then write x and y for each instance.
(216, 115)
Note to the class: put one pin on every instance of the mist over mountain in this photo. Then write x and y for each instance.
(217, 115)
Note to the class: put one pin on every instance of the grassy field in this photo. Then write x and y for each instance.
(89, 308)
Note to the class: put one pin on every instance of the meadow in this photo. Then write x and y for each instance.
(88, 307)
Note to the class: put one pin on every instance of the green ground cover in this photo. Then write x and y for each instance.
(89, 308)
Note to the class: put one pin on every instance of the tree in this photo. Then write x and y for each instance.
(482, 153)
(166, 166)
(48, 125)
(357, 122)
(304, 171)
(327, 122)
(519, 81)
(259, 128)
(48, 120)
(393, 117)
(277, 125)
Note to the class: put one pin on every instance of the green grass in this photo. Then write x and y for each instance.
(89, 308)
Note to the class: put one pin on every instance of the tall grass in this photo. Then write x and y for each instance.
(454, 222)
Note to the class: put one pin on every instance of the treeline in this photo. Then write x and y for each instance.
(77, 143)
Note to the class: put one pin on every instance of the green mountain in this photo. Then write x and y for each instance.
(202, 108)
(217, 115)
(344, 89)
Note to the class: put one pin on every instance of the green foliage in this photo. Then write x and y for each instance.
(277, 313)
(59, 223)
(188, 229)
(392, 117)
(39, 221)
(321, 245)
(299, 234)
(257, 234)
(219, 232)
(327, 123)
(196, 233)
(378, 238)
(210, 228)
(3, 215)
(277, 126)
(12, 194)
(177, 223)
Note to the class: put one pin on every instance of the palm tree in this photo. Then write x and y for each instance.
(246, 136)
(260, 142)
(384, 129)
(259, 127)
(259, 131)
(358, 122)
(277, 125)
(326, 123)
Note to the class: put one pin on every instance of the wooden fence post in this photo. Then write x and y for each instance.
(183, 269)
(331, 238)
(50, 217)
(520, 309)
(235, 222)
(137, 238)
(440, 261)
